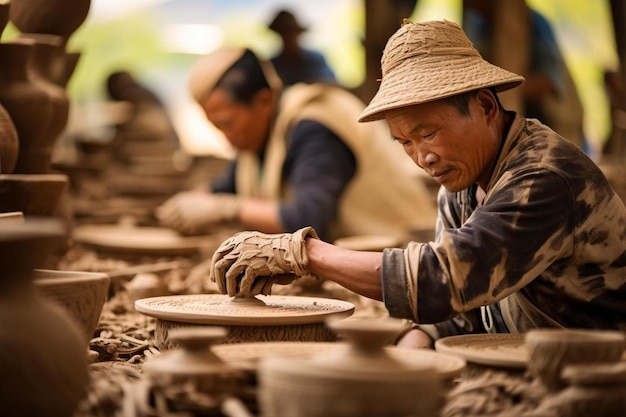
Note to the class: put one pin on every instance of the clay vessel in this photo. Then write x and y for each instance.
(9, 143)
(550, 350)
(82, 294)
(62, 77)
(358, 378)
(4, 14)
(28, 104)
(34, 195)
(194, 366)
(55, 17)
(47, 59)
(43, 361)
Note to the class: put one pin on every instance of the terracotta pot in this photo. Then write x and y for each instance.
(34, 195)
(43, 361)
(551, 350)
(4, 14)
(71, 61)
(9, 143)
(56, 17)
(29, 106)
(357, 379)
(82, 294)
(47, 59)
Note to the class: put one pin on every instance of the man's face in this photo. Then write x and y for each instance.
(456, 150)
(245, 126)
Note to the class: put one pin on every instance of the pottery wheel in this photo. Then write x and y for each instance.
(220, 309)
(139, 240)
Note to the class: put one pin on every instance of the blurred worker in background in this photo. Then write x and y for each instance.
(293, 63)
(302, 159)
(549, 93)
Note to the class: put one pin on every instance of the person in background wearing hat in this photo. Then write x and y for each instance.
(529, 232)
(549, 92)
(302, 159)
(293, 63)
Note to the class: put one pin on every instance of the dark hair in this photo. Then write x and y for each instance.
(244, 79)
(461, 101)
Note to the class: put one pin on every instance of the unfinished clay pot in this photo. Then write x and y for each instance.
(358, 378)
(9, 144)
(47, 59)
(597, 390)
(33, 195)
(550, 350)
(82, 294)
(56, 17)
(4, 14)
(43, 365)
(192, 365)
(8, 134)
(28, 104)
(62, 77)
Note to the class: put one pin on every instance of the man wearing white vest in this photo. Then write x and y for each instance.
(302, 159)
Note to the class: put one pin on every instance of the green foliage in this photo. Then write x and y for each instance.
(131, 43)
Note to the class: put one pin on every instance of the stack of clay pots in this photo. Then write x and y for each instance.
(43, 350)
(34, 107)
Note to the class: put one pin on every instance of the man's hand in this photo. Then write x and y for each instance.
(249, 263)
(194, 212)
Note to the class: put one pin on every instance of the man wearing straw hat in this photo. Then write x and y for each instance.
(302, 159)
(529, 232)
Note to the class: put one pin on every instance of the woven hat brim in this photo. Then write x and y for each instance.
(412, 83)
(208, 70)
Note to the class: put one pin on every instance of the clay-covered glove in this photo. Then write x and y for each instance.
(194, 212)
(249, 263)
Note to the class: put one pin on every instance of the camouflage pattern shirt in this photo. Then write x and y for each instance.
(546, 246)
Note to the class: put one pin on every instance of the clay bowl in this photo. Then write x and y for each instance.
(550, 350)
(82, 294)
(32, 194)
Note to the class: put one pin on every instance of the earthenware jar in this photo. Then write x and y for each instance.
(597, 390)
(193, 364)
(4, 14)
(70, 62)
(55, 17)
(47, 59)
(28, 104)
(8, 134)
(33, 194)
(550, 350)
(43, 361)
(358, 378)
(9, 144)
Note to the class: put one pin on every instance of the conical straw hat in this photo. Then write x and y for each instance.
(428, 61)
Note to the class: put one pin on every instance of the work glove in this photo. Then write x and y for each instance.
(195, 212)
(249, 263)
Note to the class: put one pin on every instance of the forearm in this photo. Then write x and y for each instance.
(261, 215)
(355, 270)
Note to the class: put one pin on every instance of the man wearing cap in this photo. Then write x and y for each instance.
(295, 64)
(302, 159)
(529, 232)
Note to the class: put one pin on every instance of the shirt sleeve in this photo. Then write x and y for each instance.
(318, 166)
(522, 229)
